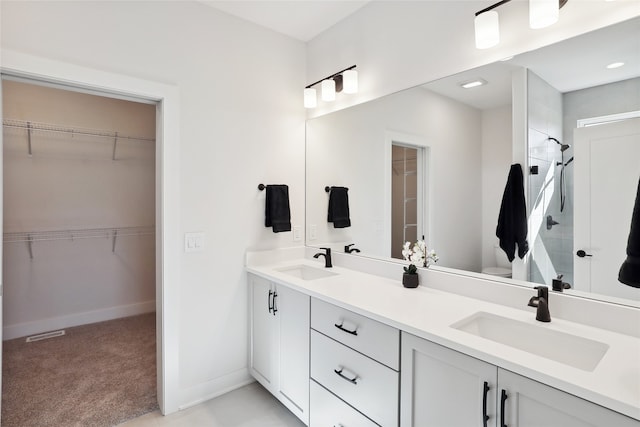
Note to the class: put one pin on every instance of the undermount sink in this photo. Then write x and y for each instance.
(572, 350)
(306, 272)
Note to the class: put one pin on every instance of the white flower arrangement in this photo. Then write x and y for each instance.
(418, 254)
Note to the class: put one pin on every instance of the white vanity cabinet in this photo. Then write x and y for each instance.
(280, 343)
(442, 387)
(354, 369)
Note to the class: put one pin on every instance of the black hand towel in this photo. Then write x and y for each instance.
(277, 213)
(630, 270)
(512, 221)
(339, 207)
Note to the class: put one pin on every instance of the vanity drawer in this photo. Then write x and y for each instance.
(329, 411)
(377, 340)
(363, 383)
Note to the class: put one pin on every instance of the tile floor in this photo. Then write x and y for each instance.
(248, 406)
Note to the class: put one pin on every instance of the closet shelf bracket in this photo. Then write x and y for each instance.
(29, 128)
(115, 142)
(113, 243)
(30, 246)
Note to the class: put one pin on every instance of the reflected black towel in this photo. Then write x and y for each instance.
(630, 270)
(512, 221)
(339, 207)
(277, 213)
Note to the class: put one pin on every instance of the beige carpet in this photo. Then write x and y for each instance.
(96, 375)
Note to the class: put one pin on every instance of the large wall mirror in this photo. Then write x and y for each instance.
(433, 161)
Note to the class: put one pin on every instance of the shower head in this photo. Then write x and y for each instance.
(563, 147)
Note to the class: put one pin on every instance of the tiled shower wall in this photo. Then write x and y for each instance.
(551, 249)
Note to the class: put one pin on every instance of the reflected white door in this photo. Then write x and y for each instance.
(607, 169)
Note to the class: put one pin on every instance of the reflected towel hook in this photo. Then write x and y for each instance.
(261, 187)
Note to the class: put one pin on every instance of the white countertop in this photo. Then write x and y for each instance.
(428, 313)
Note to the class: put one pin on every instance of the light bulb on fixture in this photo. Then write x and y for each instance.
(350, 81)
(328, 90)
(487, 28)
(310, 100)
(543, 13)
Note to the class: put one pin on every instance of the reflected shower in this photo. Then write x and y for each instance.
(563, 147)
(562, 164)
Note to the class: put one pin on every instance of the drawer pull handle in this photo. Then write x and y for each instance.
(485, 417)
(270, 301)
(503, 400)
(342, 328)
(275, 307)
(341, 375)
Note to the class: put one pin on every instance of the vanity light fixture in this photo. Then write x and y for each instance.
(487, 29)
(328, 90)
(343, 81)
(615, 65)
(310, 100)
(473, 83)
(542, 13)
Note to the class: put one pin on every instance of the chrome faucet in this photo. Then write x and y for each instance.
(327, 257)
(541, 302)
(348, 249)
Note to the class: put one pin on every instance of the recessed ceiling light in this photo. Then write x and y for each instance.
(473, 83)
(615, 65)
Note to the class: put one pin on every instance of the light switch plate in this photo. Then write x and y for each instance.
(193, 242)
(297, 233)
(313, 232)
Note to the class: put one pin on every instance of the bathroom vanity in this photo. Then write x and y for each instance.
(343, 347)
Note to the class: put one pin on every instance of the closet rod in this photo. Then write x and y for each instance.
(47, 127)
(87, 233)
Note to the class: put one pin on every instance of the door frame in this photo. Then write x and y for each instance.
(46, 71)
(424, 184)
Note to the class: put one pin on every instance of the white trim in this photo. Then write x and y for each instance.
(167, 191)
(610, 118)
(43, 325)
(424, 187)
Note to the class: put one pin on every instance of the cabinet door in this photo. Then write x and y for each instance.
(532, 404)
(292, 310)
(264, 333)
(441, 387)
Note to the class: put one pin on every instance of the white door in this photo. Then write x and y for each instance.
(441, 387)
(606, 176)
(527, 403)
(293, 316)
(264, 351)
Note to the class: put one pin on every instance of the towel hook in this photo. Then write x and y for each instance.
(327, 189)
(261, 187)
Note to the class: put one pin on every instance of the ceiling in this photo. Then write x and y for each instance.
(573, 64)
(300, 19)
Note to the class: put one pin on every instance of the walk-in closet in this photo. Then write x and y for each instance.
(79, 225)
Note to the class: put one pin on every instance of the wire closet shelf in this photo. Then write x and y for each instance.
(48, 127)
(76, 234)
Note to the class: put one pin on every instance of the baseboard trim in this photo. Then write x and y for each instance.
(54, 323)
(214, 388)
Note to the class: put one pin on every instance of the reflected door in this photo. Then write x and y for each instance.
(606, 180)
(404, 197)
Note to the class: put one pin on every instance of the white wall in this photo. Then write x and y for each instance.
(242, 123)
(71, 183)
(400, 44)
(348, 149)
(496, 161)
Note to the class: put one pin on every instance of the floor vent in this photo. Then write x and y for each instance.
(45, 336)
